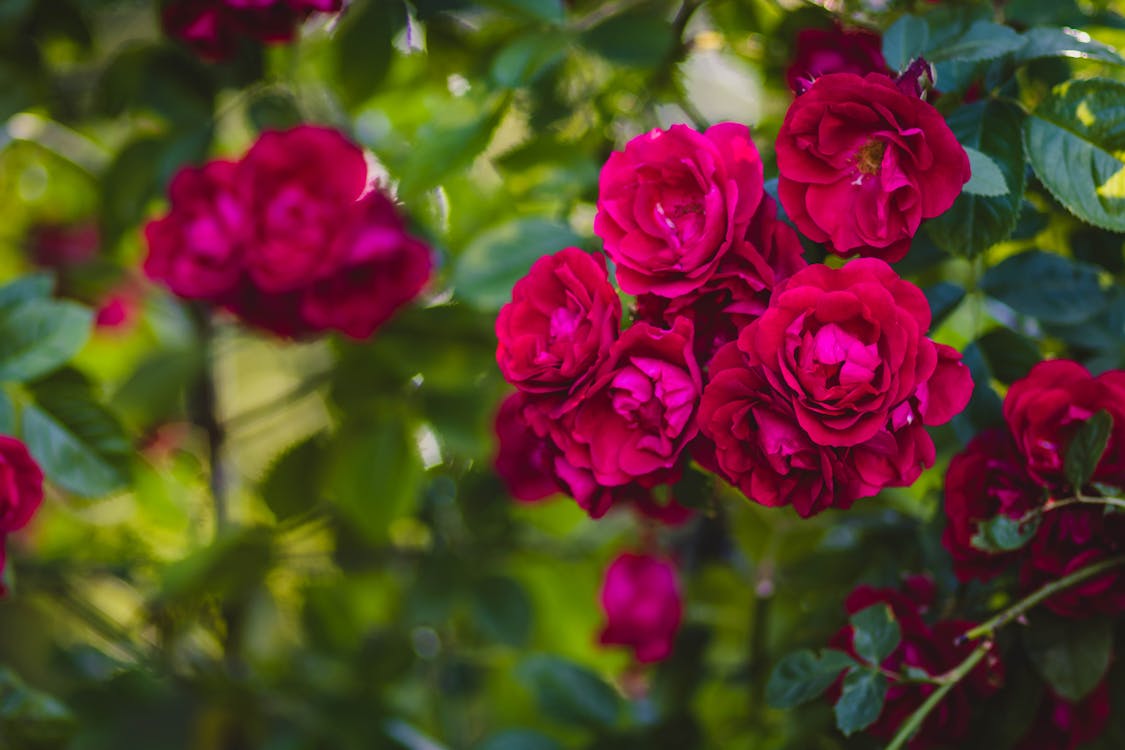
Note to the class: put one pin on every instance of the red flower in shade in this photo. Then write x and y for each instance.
(643, 606)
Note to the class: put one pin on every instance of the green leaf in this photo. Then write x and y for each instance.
(1010, 355)
(569, 693)
(944, 297)
(976, 222)
(1046, 286)
(375, 473)
(639, 38)
(985, 407)
(32, 286)
(77, 441)
(499, 257)
(987, 178)
(293, 483)
(1069, 43)
(861, 701)
(155, 390)
(906, 39)
(526, 58)
(274, 110)
(1086, 447)
(875, 633)
(30, 718)
(503, 610)
(1004, 534)
(41, 335)
(7, 414)
(519, 739)
(1075, 141)
(551, 11)
(1071, 655)
(802, 676)
(364, 47)
(227, 569)
(984, 40)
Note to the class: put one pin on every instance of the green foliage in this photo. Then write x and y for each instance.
(1086, 447)
(861, 700)
(1072, 656)
(569, 693)
(1046, 286)
(875, 633)
(1004, 534)
(803, 676)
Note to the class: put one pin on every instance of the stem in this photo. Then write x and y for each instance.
(951, 678)
(205, 408)
(988, 627)
(1114, 502)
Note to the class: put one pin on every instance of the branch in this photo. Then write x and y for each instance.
(951, 678)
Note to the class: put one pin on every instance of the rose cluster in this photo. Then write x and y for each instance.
(1017, 476)
(21, 491)
(213, 28)
(925, 649)
(294, 238)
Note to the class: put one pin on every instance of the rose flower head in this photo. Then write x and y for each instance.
(643, 605)
(833, 50)
(862, 164)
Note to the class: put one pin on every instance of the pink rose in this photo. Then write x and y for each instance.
(197, 249)
(524, 460)
(643, 606)
(985, 480)
(674, 203)
(636, 415)
(563, 318)
(836, 50)
(1045, 408)
(863, 163)
(740, 289)
(21, 485)
(848, 347)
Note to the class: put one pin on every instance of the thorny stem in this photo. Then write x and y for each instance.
(986, 630)
(1113, 502)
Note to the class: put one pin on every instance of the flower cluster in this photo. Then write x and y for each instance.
(929, 650)
(213, 28)
(1017, 476)
(293, 238)
(21, 490)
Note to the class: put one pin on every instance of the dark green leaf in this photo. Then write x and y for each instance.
(229, 568)
(1071, 655)
(802, 676)
(77, 441)
(155, 390)
(488, 268)
(1086, 447)
(32, 286)
(569, 693)
(987, 179)
(274, 110)
(985, 408)
(1068, 43)
(1010, 355)
(293, 483)
(503, 610)
(1046, 286)
(861, 701)
(30, 718)
(906, 39)
(944, 297)
(639, 38)
(875, 633)
(40, 335)
(7, 414)
(1075, 141)
(527, 56)
(364, 47)
(551, 11)
(1004, 534)
(519, 739)
(984, 40)
(976, 222)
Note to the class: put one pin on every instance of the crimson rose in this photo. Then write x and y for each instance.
(643, 606)
(675, 202)
(524, 460)
(213, 27)
(862, 163)
(834, 50)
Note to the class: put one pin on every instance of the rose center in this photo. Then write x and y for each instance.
(869, 157)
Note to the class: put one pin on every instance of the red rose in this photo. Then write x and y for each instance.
(633, 419)
(21, 485)
(862, 163)
(835, 50)
(213, 27)
(197, 249)
(848, 347)
(985, 480)
(1045, 408)
(524, 460)
(61, 246)
(563, 318)
(674, 203)
(933, 650)
(643, 606)
(1062, 725)
(1068, 540)
(740, 289)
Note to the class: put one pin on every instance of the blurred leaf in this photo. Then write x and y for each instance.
(525, 58)
(40, 335)
(551, 11)
(802, 676)
(875, 633)
(1069, 43)
(274, 110)
(861, 701)
(503, 610)
(228, 569)
(568, 693)
(987, 179)
(640, 38)
(905, 40)
(984, 40)
(31, 719)
(154, 391)
(162, 79)
(293, 483)
(519, 739)
(1071, 655)
(944, 297)
(1086, 447)
(1004, 534)
(38, 285)
(493, 262)
(1010, 355)
(77, 441)
(1075, 141)
(7, 414)
(1046, 286)
(976, 222)
(374, 474)
(984, 409)
(364, 47)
